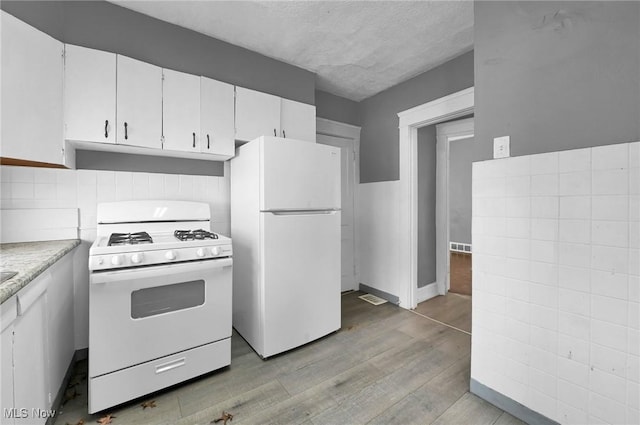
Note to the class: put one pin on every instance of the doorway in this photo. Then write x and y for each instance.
(347, 138)
(453, 106)
(445, 154)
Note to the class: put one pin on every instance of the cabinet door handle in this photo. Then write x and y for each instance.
(106, 129)
(275, 133)
(284, 134)
(208, 141)
(126, 136)
(194, 140)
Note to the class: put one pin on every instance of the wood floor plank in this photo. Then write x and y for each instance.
(301, 379)
(452, 309)
(428, 402)
(243, 405)
(413, 372)
(244, 374)
(469, 409)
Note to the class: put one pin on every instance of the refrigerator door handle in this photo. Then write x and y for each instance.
(302, 212)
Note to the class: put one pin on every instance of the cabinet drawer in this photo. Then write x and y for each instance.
(124, 385)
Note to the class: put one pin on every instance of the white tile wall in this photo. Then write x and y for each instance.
(35, 188)
(564, 339)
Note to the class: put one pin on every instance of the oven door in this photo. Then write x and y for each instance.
(141, 314)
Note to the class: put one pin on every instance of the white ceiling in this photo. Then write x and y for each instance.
(356, 48)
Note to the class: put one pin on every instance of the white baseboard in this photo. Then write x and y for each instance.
(427, 292)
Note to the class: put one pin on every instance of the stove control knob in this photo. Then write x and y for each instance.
(216, 250)
(200, 252)
(170, 255)
(116, 260)
(137, 258)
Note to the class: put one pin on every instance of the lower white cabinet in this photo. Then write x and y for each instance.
(37, 344)
(60, 322)
(30, 377)
(8, 313)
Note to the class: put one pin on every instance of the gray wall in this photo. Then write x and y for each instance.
(337, 108)
(460, 160)
(556, 75)
(379, 138)
(426, 205)
(92, 160)
(105, 26)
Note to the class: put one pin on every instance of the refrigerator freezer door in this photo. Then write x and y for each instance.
(299, 176)
(301, 278)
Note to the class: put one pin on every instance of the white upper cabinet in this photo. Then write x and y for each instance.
(139, 103)
(32, 68)
(217, 117)
(257, 114)
(260, 114)
(90, 94)
(180, 111)
(298, 120)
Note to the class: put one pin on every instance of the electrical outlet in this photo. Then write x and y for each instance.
(501, 147)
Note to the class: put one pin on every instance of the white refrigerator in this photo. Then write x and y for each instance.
(285, 226)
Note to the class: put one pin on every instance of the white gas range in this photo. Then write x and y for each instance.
(159, 299)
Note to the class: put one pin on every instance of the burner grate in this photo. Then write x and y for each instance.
(129, 238)
(189, 235)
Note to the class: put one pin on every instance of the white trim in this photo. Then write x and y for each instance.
(449, 107)
(348, 132)
(427, 292)
(337, 129)
(445, 134)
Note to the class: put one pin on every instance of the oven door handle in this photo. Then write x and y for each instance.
(160, 271)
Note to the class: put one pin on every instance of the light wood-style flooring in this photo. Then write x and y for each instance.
(386, 365)
(452, 309)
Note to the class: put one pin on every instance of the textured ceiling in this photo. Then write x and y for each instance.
(356, 48)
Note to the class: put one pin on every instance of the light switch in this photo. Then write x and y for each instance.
(501, 147)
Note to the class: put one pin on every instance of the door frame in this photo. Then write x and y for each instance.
(349, 132)
(445, 134)
(453, 106)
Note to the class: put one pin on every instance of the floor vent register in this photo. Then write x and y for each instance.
(372, 299)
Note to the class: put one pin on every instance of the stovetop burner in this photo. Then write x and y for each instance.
(188, 235)
(129, 238)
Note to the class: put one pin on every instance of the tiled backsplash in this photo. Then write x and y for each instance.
(556, 282)
(28, 187)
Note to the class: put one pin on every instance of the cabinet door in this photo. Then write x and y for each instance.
(180, 111)
(217, 117)
(257, 114)
(8, 312)
(139, 103)
(89, 94)
(298, 120)
(32, 67)
(29, 351)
